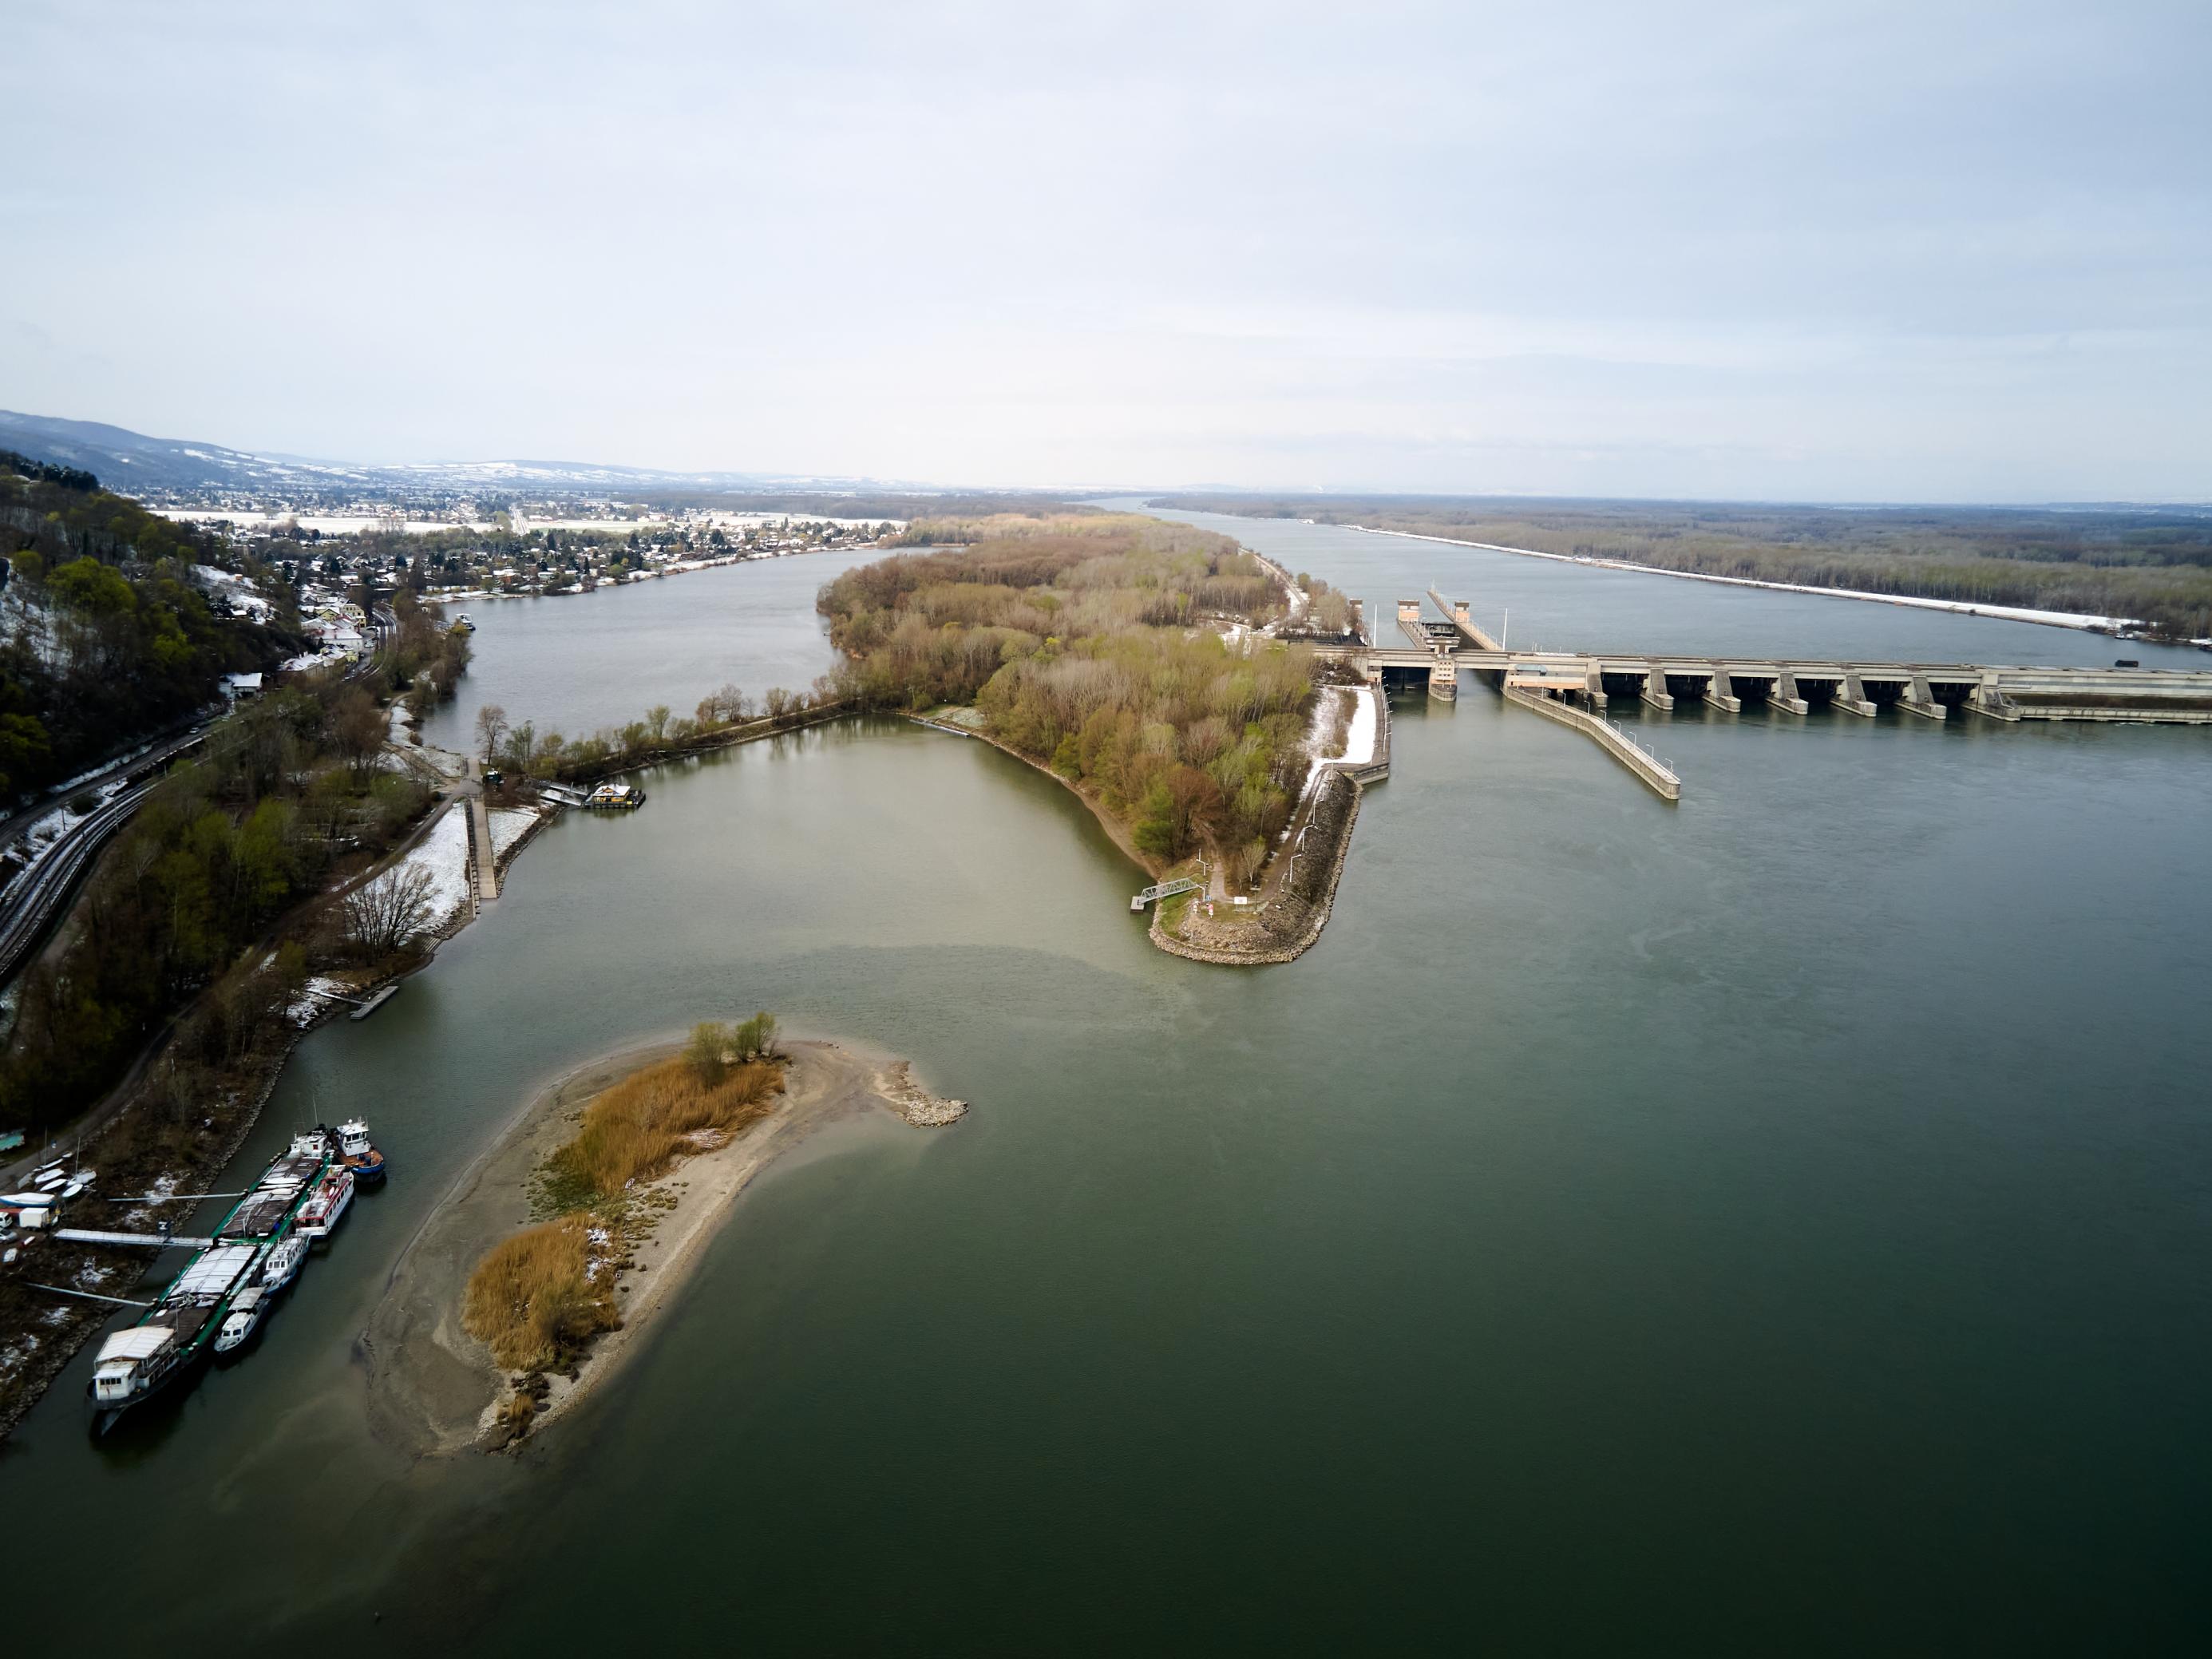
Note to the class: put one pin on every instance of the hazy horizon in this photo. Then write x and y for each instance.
(1862, 253)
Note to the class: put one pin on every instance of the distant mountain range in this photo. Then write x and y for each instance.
(133, 464)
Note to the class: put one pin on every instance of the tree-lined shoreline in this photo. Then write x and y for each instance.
(2153, 566)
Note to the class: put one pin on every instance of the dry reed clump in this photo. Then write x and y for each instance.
(531, 1301)
(636, 1130)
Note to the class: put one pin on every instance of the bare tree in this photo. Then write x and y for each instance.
(491, 726)
(358, 728)
(382, 916)
(724, 707)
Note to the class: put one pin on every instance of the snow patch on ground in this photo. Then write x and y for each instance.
(92, 772)
(41, 837)
(313, 996)
(1359, 737)
(444, 852)
(233, 588)
(509, 825)
(316, 659)
(1358, 732)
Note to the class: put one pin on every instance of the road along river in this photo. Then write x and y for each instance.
(1773, 1221)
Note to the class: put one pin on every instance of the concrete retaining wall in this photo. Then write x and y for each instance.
(1663, 783)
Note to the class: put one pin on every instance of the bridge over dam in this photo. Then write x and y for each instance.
(1575, 687)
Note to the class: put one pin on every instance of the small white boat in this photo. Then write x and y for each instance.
(282, 1265)
(245, 1315)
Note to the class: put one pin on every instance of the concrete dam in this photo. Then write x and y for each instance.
(1575, 687)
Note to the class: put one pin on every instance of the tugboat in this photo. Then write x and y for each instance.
(363, 1159)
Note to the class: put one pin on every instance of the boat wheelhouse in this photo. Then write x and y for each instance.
(362, 1158)
(139, 1358)
(326, 1203)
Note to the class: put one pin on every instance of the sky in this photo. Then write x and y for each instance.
(1914, 251)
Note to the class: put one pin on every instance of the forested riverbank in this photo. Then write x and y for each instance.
(1119, 653)
(105, 636)
(164, 1011)
(2151, 565)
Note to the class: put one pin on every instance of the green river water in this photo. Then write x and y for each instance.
(1779, 1222)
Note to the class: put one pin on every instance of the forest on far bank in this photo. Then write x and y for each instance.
(1117, 650)
(2153, 566)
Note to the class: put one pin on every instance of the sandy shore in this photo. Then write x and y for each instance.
(432, 1387)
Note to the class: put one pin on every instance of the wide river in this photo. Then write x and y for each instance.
(1777, 1223)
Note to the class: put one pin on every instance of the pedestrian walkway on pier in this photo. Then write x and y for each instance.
(482, 858)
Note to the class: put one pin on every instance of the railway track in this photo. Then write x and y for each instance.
(31, 908)
(34, 903)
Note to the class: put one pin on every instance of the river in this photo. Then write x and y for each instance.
(1777, 1222)
(577, 663)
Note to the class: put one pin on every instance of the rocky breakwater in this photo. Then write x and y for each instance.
(1293, 903)
(1285, 925)
(895, 1084)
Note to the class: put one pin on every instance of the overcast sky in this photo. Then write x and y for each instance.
(1844, 251)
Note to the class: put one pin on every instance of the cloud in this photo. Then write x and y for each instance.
(1854, 251)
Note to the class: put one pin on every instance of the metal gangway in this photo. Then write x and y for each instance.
(1167, 890)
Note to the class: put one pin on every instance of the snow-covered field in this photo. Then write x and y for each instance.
(330, 524)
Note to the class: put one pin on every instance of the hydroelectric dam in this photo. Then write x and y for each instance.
(1575, 687)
